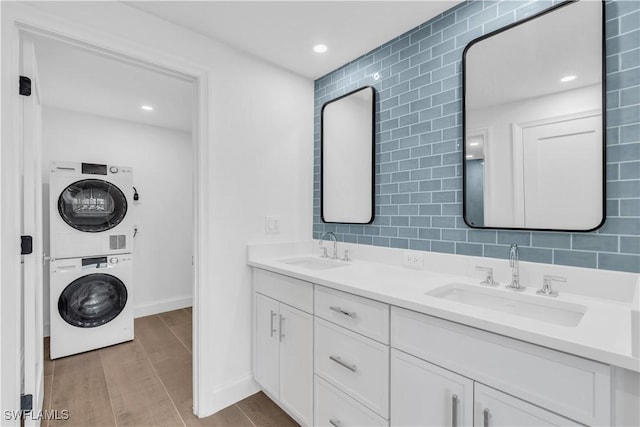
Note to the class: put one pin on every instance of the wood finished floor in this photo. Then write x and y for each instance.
(145, 382)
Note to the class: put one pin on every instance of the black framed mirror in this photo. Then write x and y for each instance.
(533, 103)
(347, 156)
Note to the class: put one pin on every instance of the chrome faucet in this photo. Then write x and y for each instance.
(333, 238)
(515, 269)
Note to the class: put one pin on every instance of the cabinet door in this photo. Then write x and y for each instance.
(296, 362)
(494, 408)
(266, 344)
(423, 394)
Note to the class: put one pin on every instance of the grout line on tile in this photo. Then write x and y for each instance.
(245, 414)
(164, 387)
(106, 383)
(175, 335)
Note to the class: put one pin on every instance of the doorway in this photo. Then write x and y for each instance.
(63, 124)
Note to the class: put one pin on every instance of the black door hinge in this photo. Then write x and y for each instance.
(26, 402)
(25, 86)
(26, 245)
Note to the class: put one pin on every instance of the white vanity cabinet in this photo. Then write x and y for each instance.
(283, 342)
(528, 377)
(423, 394)
(333, 358)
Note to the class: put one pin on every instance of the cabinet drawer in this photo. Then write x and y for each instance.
(569, 385)
(334, 408)
(362, 315)
(355, 364)
(294, 292)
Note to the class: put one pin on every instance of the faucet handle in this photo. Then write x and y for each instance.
(346, 256)
(324, 252)
(488, 281)
(546, 285)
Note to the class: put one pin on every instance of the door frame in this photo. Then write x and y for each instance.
(44, 24)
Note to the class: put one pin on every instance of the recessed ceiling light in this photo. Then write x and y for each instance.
(320, 48)
(568, 78)
(147, 108)
(469, 156)
(473, 144)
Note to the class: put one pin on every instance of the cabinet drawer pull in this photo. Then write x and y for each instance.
(334, 422)
(485, 418)
(341, 311)
(454, 410)
(282, 319)
(273, 330)
(340, 362)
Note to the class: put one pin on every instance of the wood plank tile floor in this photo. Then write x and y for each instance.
(145, 382)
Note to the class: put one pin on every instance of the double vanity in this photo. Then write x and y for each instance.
(371, 342)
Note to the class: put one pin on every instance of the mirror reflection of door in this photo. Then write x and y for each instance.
(558, 160)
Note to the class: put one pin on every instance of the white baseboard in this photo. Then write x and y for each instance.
(228, 394)
(161, 306)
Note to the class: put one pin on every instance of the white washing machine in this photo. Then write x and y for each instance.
(91, 303)
(90, 209)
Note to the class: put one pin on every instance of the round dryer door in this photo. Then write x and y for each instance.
(92, 205)
(92, 300)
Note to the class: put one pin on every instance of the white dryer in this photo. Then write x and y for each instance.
(90, 209)
(91, 303)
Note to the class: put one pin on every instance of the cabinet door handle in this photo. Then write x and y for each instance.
(485, 418)
(341, 362)
(341, 311)
(282, 319)
(454, 410)
(335, 422)
(273, 330)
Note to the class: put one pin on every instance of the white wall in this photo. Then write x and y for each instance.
(261, 142)
(162, 161)
(499, 119)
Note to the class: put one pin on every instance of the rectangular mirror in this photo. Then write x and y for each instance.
(533, 123)
(347, 158)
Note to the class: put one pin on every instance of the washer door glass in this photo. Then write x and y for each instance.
(92, 300)
(92, 205)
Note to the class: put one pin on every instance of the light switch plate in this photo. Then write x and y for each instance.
(272, 224)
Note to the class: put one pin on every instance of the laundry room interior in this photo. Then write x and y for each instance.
(93, 113)
(327, 213)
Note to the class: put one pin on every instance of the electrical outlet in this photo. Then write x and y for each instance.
(272, 224)
(412, 260)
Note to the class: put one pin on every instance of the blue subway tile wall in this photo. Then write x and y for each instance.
(418, 183)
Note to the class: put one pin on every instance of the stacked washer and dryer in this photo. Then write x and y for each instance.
(91, 251)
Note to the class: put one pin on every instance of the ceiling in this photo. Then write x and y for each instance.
(529, 60)
(284, 32)
(280, 32)
(75, 79)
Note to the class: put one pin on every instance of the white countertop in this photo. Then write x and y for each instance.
(604, 333)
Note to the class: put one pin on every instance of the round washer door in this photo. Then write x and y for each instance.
(92, 300)
(92, 205)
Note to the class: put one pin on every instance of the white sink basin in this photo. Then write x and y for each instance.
(314, 263)
(539, 308)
